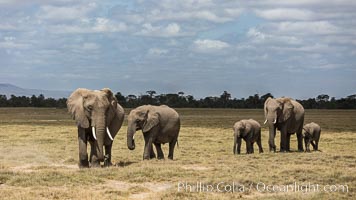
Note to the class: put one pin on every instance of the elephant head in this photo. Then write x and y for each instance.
(307, 131)
(94, 109)
(142, 118)
(278, 110)
(241, 129)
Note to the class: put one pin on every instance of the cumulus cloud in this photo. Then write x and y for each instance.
(157, 51)
(49, 12)
(257, 36)
(285, 35)
(285, 14)
(210, 45)
(171, 30)
(309, 27)
(99, 25)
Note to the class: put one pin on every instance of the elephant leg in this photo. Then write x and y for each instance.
(160, 154)
(272, 134)
(152, 153)
(94, 161)
(83, 154)
(172, 144)
(300, 140)
(252, 150)
(259, 144)
(307, 144)
(107, 157)
(248, 147)
(284, 134)
(147, 153)
(238, 145)
(314, 145)
(288, 142)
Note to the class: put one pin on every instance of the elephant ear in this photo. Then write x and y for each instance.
(75, 105)
(265, 106)
(287, 109)
(112, 111)
(151, 121)
(247, 128)
(110, 96)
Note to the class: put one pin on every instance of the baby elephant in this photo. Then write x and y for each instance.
(250, 131)
(311, 133)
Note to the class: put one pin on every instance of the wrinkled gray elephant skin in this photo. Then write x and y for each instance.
(99, 117)
(159, 125)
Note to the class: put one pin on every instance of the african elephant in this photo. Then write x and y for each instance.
(99, 117)
(159, 124)
(286, 115)
(250, 131)
(311, 133)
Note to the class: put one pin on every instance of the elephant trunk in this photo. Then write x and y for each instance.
(271, 118)
(100, 131)
(130, 135)
(235, 144)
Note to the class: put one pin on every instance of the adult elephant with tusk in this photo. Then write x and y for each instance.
(286, 115)
(159, 125)
(99, 117)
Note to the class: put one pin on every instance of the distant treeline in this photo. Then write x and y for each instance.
(180, 100)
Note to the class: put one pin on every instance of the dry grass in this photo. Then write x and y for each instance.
(39, 153)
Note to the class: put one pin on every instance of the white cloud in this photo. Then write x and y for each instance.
(257, 36)
(105, 25)
(285, 14)
(234, 12)
(100, 25)
(307, 27)
(10, 42)
(8, 27)
(210, 45)
(157, 51)
(50, 12)
(171, 30)
(86, 46)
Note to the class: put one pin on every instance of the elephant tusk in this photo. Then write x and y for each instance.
(93, 131)
(265, 121)
(275, 120)
(109, 134)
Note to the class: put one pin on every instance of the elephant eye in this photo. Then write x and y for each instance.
(90, 107)
(137, 120)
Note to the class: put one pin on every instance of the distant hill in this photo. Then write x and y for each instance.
(9, 89)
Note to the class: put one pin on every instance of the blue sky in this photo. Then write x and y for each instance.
(298, 48)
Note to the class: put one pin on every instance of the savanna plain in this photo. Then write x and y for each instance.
(39, 155)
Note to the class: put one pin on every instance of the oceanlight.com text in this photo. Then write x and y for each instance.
(233, 187)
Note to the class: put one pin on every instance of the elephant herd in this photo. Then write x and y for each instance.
(99, 117)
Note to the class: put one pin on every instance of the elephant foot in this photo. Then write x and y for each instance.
(301, 150)
(272, 149)
(283, 151)
(83, 164)
(95, 164)
(107, 161)
(160, 158)
(146, 157)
